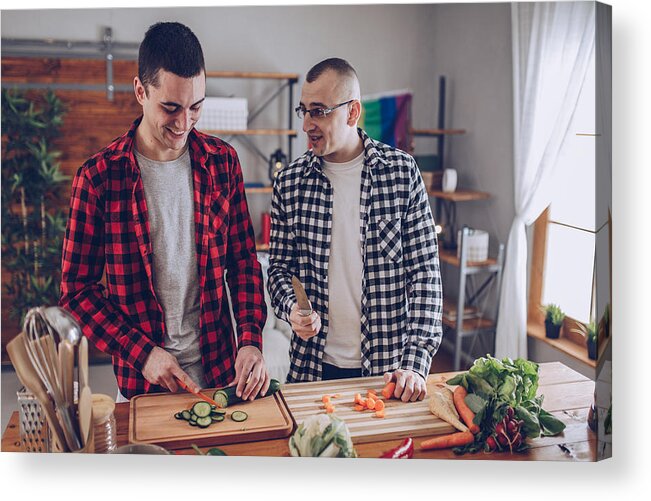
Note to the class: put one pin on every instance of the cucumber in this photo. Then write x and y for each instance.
(201, 409)
(239, 416)
(204, 422)
(218, 412)
(228, 393)
(186, 415)
(216, 418)
(178, 415)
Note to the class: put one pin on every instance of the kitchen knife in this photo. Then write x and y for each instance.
(304, 305)
(198, 394)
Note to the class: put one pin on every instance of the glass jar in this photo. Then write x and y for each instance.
(104, 426)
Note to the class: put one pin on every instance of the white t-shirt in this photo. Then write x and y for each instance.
(345, 267)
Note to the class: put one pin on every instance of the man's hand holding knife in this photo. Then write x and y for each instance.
(305, 322)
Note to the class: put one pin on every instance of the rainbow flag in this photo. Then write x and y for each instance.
(387, 117)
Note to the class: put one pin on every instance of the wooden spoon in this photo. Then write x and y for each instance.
(67, 360)
(85, 408)
(28, 377)
(83, 362)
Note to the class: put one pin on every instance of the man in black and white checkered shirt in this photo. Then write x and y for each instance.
(351, 219)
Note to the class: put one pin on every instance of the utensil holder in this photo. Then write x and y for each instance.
(33, 427)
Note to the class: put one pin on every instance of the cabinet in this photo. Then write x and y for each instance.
(471, 300)
(287, 82)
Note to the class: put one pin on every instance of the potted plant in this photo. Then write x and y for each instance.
(554, 317)
(590, 333)
(604, 324)
(33, 214)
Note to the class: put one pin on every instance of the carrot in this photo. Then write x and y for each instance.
(379, 414)
(464, 411)
(389, 388)
(325, 399)
(370, 403)
(456, 439)
(359, 407)
(371, 392)
(358, 398)
(330, 409)
(379, 405)
(336, 395)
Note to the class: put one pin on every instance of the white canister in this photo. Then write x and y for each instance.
(449, 180)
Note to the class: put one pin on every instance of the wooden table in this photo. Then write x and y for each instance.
(568, 396)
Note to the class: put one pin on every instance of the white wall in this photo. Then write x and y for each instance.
(391, 46)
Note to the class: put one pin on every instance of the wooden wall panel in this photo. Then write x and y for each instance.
(92, 121)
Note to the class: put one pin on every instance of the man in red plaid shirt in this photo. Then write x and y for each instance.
(161, 212)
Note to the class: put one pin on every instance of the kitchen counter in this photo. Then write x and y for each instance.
(568, 396)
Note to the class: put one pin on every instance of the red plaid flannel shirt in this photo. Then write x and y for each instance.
(108, 232)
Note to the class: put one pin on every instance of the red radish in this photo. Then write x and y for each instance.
(492, 445)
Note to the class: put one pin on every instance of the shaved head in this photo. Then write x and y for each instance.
(347, 86)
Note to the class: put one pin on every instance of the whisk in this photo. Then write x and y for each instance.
(40, 346)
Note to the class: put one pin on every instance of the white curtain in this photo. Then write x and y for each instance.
(552, 45)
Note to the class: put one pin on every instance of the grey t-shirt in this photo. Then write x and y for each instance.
(170, 206)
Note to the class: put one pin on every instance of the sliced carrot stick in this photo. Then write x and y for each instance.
(379, 405)
(379, 414)
(370, 403)
(359, 407)
(358, 398)
(330, 409)
(464, 411)
(389, 388)
(451, 440)
(325, 399)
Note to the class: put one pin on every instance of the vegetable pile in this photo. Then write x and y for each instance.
(322, 435)
(202, 414)
(502, 396)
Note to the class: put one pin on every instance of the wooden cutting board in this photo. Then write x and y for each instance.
(151, 420)
(402, 419)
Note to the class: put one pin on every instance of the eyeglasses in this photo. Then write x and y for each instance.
(301, 111)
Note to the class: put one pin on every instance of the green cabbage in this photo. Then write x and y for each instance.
(322, 435)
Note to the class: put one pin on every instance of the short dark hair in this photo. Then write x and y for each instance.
(171, 47)
(341, 66)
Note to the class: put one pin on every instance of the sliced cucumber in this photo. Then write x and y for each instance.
(216, 418)
(218, 412)
(221, 398)
(201, 409)
(204, 422)
(192, 423)
(178, 415)
(186, 415)
(239, 416)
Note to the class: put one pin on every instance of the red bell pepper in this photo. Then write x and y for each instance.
(404, 451)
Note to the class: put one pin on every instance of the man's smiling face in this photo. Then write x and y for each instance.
(170, 111)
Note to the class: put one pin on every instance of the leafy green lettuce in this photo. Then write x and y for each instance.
(494, 385)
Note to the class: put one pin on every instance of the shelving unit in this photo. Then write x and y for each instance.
(288, 80)
(473, 322)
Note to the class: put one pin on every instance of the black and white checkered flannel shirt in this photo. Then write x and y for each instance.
(401, 284)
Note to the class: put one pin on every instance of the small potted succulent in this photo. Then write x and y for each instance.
(590, 333)
(605, 321)
(554, 317)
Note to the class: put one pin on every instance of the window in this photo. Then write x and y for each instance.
(564, 267)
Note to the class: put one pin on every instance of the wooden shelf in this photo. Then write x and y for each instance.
(451, 258)
(436, 132)
(460, 195)
(258, 189)
(471, 324)
(251, 132)
(252, 74)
